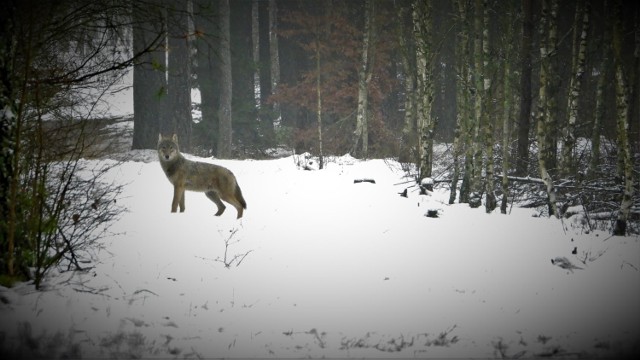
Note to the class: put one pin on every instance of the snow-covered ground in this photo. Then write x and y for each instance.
(323, 267)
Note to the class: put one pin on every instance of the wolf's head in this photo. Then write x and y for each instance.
(168, 147)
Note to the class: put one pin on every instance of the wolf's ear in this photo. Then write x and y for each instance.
(159, 137)
(175, 137)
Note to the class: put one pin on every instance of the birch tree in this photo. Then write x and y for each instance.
(487, 120)
(553, 84)
(622, 122)
(461, 134)
(224, 111)
(275, 61)
(542, 131)
(255, 54)
(475, 196)
(578, 69)
(422, 27)
(506, 112)
(361, 133)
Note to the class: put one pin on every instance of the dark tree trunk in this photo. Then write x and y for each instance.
(224, 111)
(179, 79)
(524, 121)
(149, 83)
(206, 42)
(7, 141)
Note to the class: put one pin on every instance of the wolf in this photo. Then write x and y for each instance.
(215, 181)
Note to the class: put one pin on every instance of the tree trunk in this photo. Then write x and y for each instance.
(599, 114)
(255, 42)
(469, 120)
(319, 103)
(578, 68)
(634, 105)
(423, 25)
(207, 42)
(622, 117)
(275, 61)
(179, 71)
(225, 110)
(543, 126)
(524, 122)
(460, 138)
(506, 116)
(475, 197)
(487, 120)
(553, 79)
(407, 56)
(149, 81)
(364, 77)
(8, 124)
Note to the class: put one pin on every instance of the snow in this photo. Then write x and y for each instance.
(328, 268)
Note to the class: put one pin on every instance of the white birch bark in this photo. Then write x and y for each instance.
(506, 117)
(255, 39)
(422, 23)
(542, 126)
(475, 196)
(487, 121)
(364, 77)
(462, 98)
(569, 141)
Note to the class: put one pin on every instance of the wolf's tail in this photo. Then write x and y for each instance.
(240, 198)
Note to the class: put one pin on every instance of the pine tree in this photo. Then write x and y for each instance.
(524, 119)
(225, 110)
(207, 44)
(408, 59)
(622, 122)
(149, 81)
(179, 74)
(598, 117)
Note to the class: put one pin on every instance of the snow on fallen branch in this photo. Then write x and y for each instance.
(563, 184)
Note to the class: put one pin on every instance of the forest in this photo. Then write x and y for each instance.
(535, 96)
(520, 89)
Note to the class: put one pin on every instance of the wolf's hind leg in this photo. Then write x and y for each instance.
(213, 196)
(236, 204)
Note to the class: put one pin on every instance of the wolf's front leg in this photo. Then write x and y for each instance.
(178, 199)
(182, 196)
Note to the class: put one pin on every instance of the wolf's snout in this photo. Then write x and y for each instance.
(166, 157)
